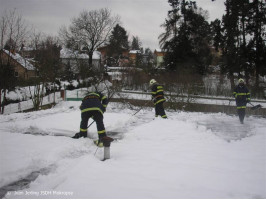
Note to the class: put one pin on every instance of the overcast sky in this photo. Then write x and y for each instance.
(140, 18)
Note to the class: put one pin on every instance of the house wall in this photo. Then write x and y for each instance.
(122, 62)
(159, 58)
(132, 56)
(125, 53)
(22, 72)
(73, 62)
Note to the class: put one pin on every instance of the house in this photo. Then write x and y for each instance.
(76, 58)
(23, 67)
(27, 52)
(133, 55)
(110, 59)
(103, 51)
(158, 57)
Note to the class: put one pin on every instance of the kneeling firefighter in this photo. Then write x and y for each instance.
(158, 98)
(93, 106)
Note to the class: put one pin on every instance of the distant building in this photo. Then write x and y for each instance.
(23, 67)
(121, 61)
(27, 52)
(159, 57)
(74, 58)
(133, 55)
(103, 51)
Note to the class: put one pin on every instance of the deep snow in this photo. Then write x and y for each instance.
(189, 155)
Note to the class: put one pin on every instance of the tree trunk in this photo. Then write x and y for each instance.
(1, 101)
(232, 82)
(41, 96)
(257, 43)
(54, 92)
(4, 102)
(247, 77)
(90, 59)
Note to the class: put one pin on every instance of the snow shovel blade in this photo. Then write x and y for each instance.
(256, 107)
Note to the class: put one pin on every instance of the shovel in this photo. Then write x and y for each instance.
(255, 107)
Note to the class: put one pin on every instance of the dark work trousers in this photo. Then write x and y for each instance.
(159, 110)
(97, 117)
(241, 113)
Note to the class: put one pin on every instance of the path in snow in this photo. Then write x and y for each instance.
(224, 126)
(24, 182)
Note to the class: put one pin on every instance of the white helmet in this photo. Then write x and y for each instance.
(152, 81)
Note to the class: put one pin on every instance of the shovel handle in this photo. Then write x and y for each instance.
(250, 103)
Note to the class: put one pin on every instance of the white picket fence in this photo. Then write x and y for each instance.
(25, 105)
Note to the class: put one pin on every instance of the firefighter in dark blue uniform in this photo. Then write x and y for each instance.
(158, 98)
(93, 106)
(242, 97)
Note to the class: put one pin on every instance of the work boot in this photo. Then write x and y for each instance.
(98, 143)
(79, 135)
(104, 141)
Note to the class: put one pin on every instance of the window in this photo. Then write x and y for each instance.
(16, 74)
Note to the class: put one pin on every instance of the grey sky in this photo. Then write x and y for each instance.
(140, 18)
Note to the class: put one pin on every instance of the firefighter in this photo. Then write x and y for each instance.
(93, 106)
(242, 97)
(158, 98)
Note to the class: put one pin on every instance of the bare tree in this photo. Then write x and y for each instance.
(13, 31)
(3, 30)
(89, 30)
(36, 38)
(47, 56)
(13, 27)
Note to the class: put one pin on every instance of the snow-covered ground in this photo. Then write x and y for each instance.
(189, 155)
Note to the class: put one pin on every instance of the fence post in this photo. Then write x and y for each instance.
(63, 94)
(19, 107)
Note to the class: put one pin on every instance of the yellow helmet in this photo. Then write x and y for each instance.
(152, 81)
(241, 80)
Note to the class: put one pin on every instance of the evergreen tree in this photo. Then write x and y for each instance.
(136, 44)
(231, 33)
(216, 31)
(243, 35)
(118, 41)
(186, 38)
(258, 27)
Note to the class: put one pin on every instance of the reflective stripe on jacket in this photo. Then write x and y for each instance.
(242, 96)
(94, 101)
(157, 94)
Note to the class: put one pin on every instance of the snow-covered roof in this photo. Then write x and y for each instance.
(68, 53)
(28, 48)
(159, 50)
(134, 51)
(22, 61)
